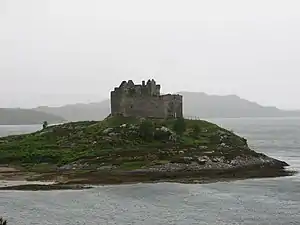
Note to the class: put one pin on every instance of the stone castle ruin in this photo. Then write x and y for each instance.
(144, 100)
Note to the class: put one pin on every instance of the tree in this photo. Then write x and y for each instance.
(179, 126)
(45, 124)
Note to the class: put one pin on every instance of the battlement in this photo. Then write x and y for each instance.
(144, 100)
(145, 89)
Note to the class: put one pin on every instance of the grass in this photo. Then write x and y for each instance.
(130, 147)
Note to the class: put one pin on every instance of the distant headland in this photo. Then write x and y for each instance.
(27, 117)
(195, 104)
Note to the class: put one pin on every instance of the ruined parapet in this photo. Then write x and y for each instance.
(144, 100)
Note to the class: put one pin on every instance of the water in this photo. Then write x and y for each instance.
(6, 130)
(273, 201)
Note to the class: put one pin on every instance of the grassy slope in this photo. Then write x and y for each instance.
(125, 147)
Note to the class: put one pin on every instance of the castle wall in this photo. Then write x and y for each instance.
(173, 105)
(145, 101)
(156, 106)
(115, 102)
(144, 107)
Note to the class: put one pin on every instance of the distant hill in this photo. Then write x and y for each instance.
(79, 112)
(26, 117)
(195, 104)
(230, 106)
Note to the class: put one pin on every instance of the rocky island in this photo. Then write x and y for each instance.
(145, 139)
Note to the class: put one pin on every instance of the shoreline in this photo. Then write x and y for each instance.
(121, 150)
(79, 180)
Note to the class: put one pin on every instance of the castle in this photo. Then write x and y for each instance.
(144, 100)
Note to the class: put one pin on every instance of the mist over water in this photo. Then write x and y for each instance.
(273, 201)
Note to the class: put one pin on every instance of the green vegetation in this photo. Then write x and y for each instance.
(179, 126)
(127, 149)
(147, 130)
(120, 142)
(196, 130)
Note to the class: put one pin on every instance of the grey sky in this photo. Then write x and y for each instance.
(54, 52)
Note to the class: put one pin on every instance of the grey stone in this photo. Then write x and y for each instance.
(145, 100)
(107, 130)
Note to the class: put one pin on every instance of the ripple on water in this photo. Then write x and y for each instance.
(273, 201)
(240, 202)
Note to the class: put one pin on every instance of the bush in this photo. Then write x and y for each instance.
(161, 135)
(147, 130)
(196, 130)
(179, 126)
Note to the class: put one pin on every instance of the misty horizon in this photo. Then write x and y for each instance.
(90, 99)
(55, 53)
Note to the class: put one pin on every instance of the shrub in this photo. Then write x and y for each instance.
(179, 126)
(196, 130)
(147, 130)
(161, 135)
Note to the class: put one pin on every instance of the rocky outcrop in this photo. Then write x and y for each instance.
(217, 163)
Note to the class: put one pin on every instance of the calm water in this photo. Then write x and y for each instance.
(260, 201)
(6, 130)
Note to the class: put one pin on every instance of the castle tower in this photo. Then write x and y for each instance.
(144, 100)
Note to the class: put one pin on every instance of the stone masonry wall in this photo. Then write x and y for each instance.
(150, 103)
(144, 107)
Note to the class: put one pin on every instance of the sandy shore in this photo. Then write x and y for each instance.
(14, 179)
(9, 183)
(10, 176)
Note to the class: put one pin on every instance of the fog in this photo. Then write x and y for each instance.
(54, 52)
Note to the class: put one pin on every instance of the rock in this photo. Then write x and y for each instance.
(107, 131)
(203, 147)
(109, 167)
(172, 137)
(188, 159)
(113, 134)
(165, 129)
(132, 126)
(218, 159)
(203, 160)
(66, 167)
(210, 152)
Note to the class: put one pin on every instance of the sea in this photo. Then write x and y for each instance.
(272, 201)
